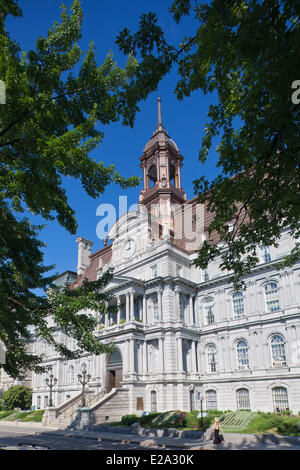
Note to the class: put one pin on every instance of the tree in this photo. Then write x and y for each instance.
(56, 98)
(248, 53)
(17, 396)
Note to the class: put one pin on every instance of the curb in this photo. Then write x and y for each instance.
(27, 424)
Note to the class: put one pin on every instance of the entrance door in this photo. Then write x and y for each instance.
(114, 371)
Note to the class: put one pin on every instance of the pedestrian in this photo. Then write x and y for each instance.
(218, 438)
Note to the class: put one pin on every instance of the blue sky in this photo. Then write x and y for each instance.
(185, 121)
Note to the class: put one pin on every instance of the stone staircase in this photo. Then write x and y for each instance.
(65, 415)
(111, 408)
(105, 408)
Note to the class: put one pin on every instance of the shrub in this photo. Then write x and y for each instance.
(171, 418)
(122, 321)
(128, 420)
(147, 419)
(286, 413)
(17, 396)
(288, 428)
(268, 421)
(191, 420)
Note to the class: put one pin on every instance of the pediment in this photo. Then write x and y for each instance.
(130, 222)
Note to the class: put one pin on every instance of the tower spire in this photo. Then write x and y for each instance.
(159, 120)
(160, 125)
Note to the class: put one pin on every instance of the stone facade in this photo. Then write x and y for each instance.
(183, 334)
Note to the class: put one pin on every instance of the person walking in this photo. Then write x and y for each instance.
(218, 438)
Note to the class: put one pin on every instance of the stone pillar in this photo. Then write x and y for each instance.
(160, 312)
(145, 358)
(161, 354)
(132, 367)
(144, 312)
(83, 418)
(127, 307)
(118, 305)
(179, 354)
(194, 368)
(131, 306)
(177, 304)
(191, 319)
(145, 178)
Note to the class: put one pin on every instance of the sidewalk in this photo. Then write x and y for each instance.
(232, 441)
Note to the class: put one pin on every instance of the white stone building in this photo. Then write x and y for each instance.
(182, 333)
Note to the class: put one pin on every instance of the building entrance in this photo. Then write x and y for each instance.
(114, 371)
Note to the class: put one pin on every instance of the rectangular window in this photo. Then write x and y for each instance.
(230, 227)
(272, 300)
(238, 304)
(153, 271)
(178, 270)
(211, 400)
(265, 256)
(209, 313)
(205, 275)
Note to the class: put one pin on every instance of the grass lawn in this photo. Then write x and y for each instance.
(259, 423)
(24, 416)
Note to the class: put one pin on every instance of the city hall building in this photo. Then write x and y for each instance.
(181, 334)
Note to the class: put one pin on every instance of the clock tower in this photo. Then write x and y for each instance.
(161, 163)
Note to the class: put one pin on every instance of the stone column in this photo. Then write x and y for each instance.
(131, 306)
(145, 358)
(144, 312)
(132, 367)
(161, 354)
(191, 319)
(179, 355)
(160, 312)
(119, 313)
(177, 304)
(194, 369)
(127, 307)
(145, 177)
(197, 312)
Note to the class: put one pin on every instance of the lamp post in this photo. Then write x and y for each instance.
(51, 382)
(83, 378)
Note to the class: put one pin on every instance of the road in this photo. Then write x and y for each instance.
(14, 436)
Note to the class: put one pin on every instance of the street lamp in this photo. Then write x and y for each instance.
(83, 378)
(51, 382)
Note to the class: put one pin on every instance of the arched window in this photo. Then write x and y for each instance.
(280, 399)
(211, 400)
(243, 399)
(238, 304)
(272, 297)
(208, 311)
(38, 403)
(211, 352)
(278, 351)
(46, 401)
(242, 354)
(153, 401)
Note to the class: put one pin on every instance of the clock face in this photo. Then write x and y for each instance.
(129, 248)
